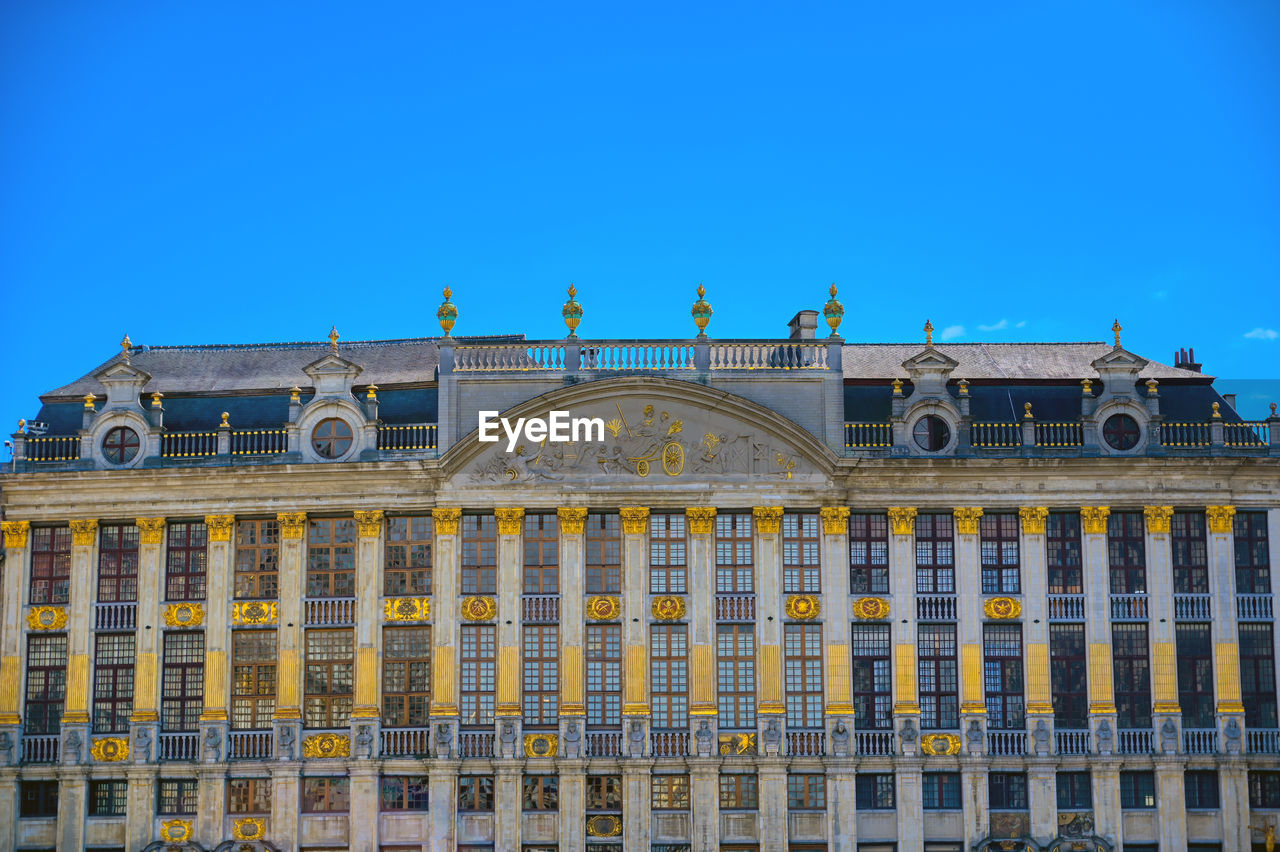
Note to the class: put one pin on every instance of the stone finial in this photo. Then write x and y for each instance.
(447, 313)
(701, 311)
(1116, 328)
(833, 311)
(572, 311)
(928, 334)
(333, 339)
(1026, 406)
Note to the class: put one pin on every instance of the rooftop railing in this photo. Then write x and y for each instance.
(182, 445)
(409, 437)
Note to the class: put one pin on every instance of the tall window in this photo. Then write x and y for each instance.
(326, 795)
(479, 555)
(669, 675)
(734, 563)
(1126, 553)
(1068, 675)
(540, 793)
(249, 796)
(802, 644)
(1264, 789)
(1002, 675)
(404, 792)
(868, 553)
(604, 792)
(941, 791)
(253, 679)
(935, 554)
(331, 558)
(736, 675)
(806, 792)
(475, 792)
(479, 653)
(874, 791)
(112, 682)
(801, 553)
(1137, 790)
(1132, 667)
(1190, 553)
(257, 559)
(604, 674)
(50, 565)
(1062, 543)
(1007, 791)
(872, 676)
(1201, 788)
(407, 564)
(108, 798)
(999, 540)
(46, 683)
(330, 672)
(939, 678)
(1075, 791)
(1195, 675)
(541, 675)
(669, 792)
(1258, 674)
(739, 791)
(117, 563)
(406, 676)
(666, 554)
(182, 680)
(177, 796)
(184, 572)
(604, 553)
(541, 555)
(1253, 559)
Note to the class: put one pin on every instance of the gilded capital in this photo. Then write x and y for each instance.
(84, 533)
(220, 526)
(702, 519)
(573, 519)
(1093, 519)
(1220, 518)
(768, 519)
(1158, 518)
(635, 519)
(967, 519)
(1033, 518)
(446, 519)
(293, 525)
(150, 530)
(835, 520)
(902, 519)
(15, 533)
(510, 520)
(369, 523)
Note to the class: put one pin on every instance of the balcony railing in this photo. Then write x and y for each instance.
(405, 742)
(53, 448)
(995, 435)
(409, 437)
(1200, 740)
(868, 435)
(669, 743)
(1129, 607)
(1066, 607)
(250, 745)
(936, 608)
(1262, 740)
(735, 607)
(768, 356)
(541, 609)
(1248, 433)
(1006, 743)
(1135, 741)
(508, 357)
(1192, 607)
(604, 744)
(259, 442)
(1185, 434)
(637, 355)
(330, 612)
(183, 445)
(476, 743)
(1254, 608)
(1064, 434)
(806, 743)
(1071, 741)
(182, 746)
(40, 748)
(115, 616)
(874, 743)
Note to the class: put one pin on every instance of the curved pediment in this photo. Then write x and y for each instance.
(656, 431)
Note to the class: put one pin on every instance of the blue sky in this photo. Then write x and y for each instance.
(200, 172)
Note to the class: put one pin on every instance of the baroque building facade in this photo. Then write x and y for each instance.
(798, 594)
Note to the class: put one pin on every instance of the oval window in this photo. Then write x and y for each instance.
(331, 438)
(931, 433)
(1121, 432)
(120, 445)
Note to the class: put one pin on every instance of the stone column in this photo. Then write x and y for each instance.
(365, 804)
(444, 666)
(17, 549)
(73, 791)
(1042, 794)
(1233, 770)
(902, 589)
(973, 694)
(704, 799)
(771, 708)
(286, 794)
(75, 713)
(573, 803)
(443, 797)
(635, 803)
(146, 686)
(1172, 802)
(367, 707)
(1102, 704)
(211, 808)
(1105, 772)
(140, 813)
(506, 803)
(217, 633)
(510, 587)
(292, 583)
(974, 798)
(635, 677)
(1164, 649)
(909, 785)
(841, 818)
(573, 708)
(703, 769)
(8, 806)
(1041, 780)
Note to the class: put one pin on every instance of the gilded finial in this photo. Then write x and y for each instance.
(125, 346)
(1026, 406)
(333, 338)
(447, 312)
(88, 401)
(1116, 329)
(1151, 387)
(295, 394)
(964, 387)
(1086, 385)
(897, 387)
(928, 333)
(155, 399)
(572, 311)
(833, 311)
(226, 418)
(1217, 415)
(22, 424)
(701, 311)
(372, 393)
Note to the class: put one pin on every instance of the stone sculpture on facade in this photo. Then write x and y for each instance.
(840, 739)
(1104, 737)
(444, 739)
(1169, 737)
(706, 739)
(572, 740)
(212, 745)
(635, 738)
(364, 742)
(143, 738)
(288, 742)
(1041, 737)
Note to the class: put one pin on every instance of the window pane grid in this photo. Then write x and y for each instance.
(1195, 675)
(541, 675)
(253, 679)
(1063, 560)
(868, 553)
(735, 571)
(736, 675)
(117, 563)
(1068, 675)
(328, 678)
(1190, 553)
(541, 554)
(1253, 557)
(406, 676)
(113, 661)
(50, 565)
(603, 553)
(185, 561)
(998, 541)
(938, 677)
(479, 655)
(479, 555)
(604, 675)
(46, 683)
(667, 554)
(331, 558)
(407, 557)
(1002, 674)
(1126, 553)
(872, 676)
(801, 549)
(257, 559)
(1132, 668)
(802, 646)
(1258, 674)
(182, 681)
(935, 554)
(669, 676)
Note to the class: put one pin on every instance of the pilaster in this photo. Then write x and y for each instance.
(1035, 615)
(909, 784)
(1105, 775)
(217, 638)
(73, 788)
(510, 560)
(8, 808)
(17, 548)
(842, 816)
(1172, 802)
(573, 803)
(369, 525)
(140, 811)
(146, 689)
(771, 775)
(704, 793)
(1233, 776)
(835, 615)
(1042, 795)
(635, 585)
(701, 526)
(770, 706)
(636, 803)
(1164, 653)
(293, 530)
(365, 805)
(506, 804)
(975, 799)
(286, 796)
(443, 797)
(84, 549)
(1097, 588)
(444, 635)
(572, 521)
(1222, 585)
(902, 592)
(212, 804)
(973, 695)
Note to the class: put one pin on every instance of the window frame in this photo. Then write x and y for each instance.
(108, 797)
(1064, 554)
(1252, 553)
(668, 554)
(254, 679)
(253, 793)
(257, 572)
(871, 675)
(325, 794)
(1138, 784)
(935, 553)
(331, 558)
(540, 793)
(669, 791)
(806, 791)
(186, 561)
(181, 680)
(540, 675)
(413, 793)
(478, 673)
(801, 553)
(736, 676)
(603, 657)
(181, 798)
(37, 798)
(540, 569)
(46, 683)
(329, 662)
(1193, 642)
(875, 791)
(945, 793)
(479, 555)
(1189, 543)
(669, 677)
(1069, 675)
(1202, 789)
(1126, 553)
(1004, 683)
(1131, 675)
(1000, 549)
(406, 676)
(602, 553)
(938, 676)
(407, 555)
(114, 680)
(868, 553)
(735, 554)
(741, 792)
(118, 563)
(1074, 790)
(50, 574)
(1007, 791)
(604, 794)
(803, 675)
(475, 794)
(1258, 674)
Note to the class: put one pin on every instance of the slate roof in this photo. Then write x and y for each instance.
(1006, 361)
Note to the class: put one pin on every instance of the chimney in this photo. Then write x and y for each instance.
(804, 325)
(1231, 400)
(1185, 359)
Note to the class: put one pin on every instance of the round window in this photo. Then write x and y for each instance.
(931, 433)
(331, 438)
(1121, 432)
(120, 445)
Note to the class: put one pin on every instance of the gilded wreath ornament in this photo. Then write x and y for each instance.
(603, 608)
(326, 745)
(254, 612)
(407, 609)
(184, 615)
(1002, 608)
(249, 828)
(803, 607)
(668, 608)
(940, 744)
(479, 608)
(175, 830)
(47, 618)
(110, 749)
(604, 825)
(870, 609)
(541, 745)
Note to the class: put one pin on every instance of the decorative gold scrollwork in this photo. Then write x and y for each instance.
(870, 609)
(47, 618)
(110, 749)
(937, 744)
(668, 608)
(1002, 608)
(603, 608)
(803, 607)
(326, 745)
(479, 609)
(541, 745)
(407, 609)
(184, 615)
(254, 612)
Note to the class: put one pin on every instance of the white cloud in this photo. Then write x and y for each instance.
(951, 332)
(1003, 324)
(1258, 333)
(1022, 324)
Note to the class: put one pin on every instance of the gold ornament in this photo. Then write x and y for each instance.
(249, 828)
(15, 533)
(219, 526)
(47, 618)
(150, 530)
(737, 743)
(835, 520)
(668, 608)
(967, 519)
(1002, 608)
(541, 745)
(702, 519)
(803, 607)
(293, 525)
(446, 520)
(937, 744)
(84, 533)
(572, 311)
(175, 830)
(768, 519)
(702, 311)
(1158, 518)
(635, 519)
(1033, 519)
(110, 749)
(447, 313)
(928, 334)
(871, 609)
(184, 615)
(479, 609)
(1094, 519)
(1116, 329)
(407, 609)
(833, 311)
(902, 519)
(326, 745)
(604, 825)
(510, 520)
(603, 608)
(369, 523)
(254, 612)
(573, 519)
(1220, 518)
